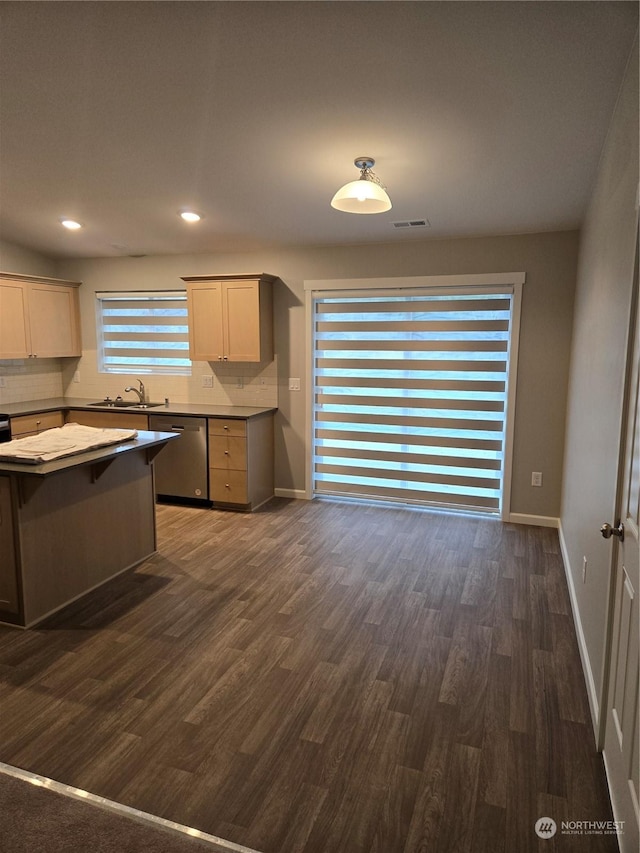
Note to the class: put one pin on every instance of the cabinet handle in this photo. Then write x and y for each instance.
(227, 486)
(219, 358)
(226, 427)
(226, 453)
(225, 358)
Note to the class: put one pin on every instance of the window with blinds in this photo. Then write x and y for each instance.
(410, 397)
(143, 331)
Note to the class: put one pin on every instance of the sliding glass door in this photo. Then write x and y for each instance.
(410, 396)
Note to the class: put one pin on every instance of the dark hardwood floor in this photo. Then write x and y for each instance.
(320, 677)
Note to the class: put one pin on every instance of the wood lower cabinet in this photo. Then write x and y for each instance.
(25, 425)
(230, 318)
(241, 461)
(39, 318)
(108, 420)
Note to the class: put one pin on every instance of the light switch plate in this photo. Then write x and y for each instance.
(294, 384)
(207, 381)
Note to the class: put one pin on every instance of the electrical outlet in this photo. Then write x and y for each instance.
(536, 478)
(584, 570)
(294, 384)
(207, 381)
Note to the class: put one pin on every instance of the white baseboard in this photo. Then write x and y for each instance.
(535, 520)
(296, 494)
(592, 690)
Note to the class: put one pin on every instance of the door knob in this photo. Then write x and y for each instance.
(608, 531)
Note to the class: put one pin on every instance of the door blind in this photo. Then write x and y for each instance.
(410, 398)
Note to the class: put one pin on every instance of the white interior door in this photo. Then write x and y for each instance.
(621, 742)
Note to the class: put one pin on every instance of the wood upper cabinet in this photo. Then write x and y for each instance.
(39, 318)
(230, 318)
(15, 338)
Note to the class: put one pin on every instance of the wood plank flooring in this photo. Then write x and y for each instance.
(319, 677)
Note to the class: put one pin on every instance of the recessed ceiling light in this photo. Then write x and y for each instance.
(71, 224)
(190, 215)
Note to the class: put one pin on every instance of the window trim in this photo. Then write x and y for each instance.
(509, 282)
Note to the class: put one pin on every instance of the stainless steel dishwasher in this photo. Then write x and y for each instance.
(181, 469)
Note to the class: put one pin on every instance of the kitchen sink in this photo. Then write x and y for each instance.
(124, 404)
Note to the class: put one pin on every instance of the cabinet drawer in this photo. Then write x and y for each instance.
(228, 486)
(33, 424)
(228, 426)
(228, 452)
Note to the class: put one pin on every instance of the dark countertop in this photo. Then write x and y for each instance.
(31, 407)
(144, 441)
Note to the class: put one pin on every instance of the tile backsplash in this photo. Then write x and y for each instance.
(231, 385)
(30, 379)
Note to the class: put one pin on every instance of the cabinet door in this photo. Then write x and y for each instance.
(204, 307)
(53, 317)
(241, 313)
(14, 329)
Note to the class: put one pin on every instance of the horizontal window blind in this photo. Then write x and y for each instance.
(143, 331)
(410, 397)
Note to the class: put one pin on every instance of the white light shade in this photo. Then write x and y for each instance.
(71, 224)
(361, 196)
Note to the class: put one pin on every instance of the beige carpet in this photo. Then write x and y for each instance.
(37, 819)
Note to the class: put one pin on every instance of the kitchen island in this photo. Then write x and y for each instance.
(69, 525)
(234, 460)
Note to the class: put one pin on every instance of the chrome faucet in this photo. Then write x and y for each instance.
(142, 394)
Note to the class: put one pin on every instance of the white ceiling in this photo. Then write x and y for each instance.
(483, 117)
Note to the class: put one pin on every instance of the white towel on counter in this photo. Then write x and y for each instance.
(61, 441)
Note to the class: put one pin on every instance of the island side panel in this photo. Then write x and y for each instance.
(82, 526)
(9, 593)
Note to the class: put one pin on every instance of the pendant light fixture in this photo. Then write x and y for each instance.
(366, 195)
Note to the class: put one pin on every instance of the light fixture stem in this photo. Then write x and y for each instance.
(367, 175)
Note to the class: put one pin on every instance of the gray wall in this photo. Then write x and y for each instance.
(603, 297)
(549, 260)
(18, 260)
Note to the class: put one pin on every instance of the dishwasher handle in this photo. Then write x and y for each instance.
(168, 424)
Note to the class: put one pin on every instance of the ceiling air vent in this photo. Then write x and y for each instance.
(412, 223)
